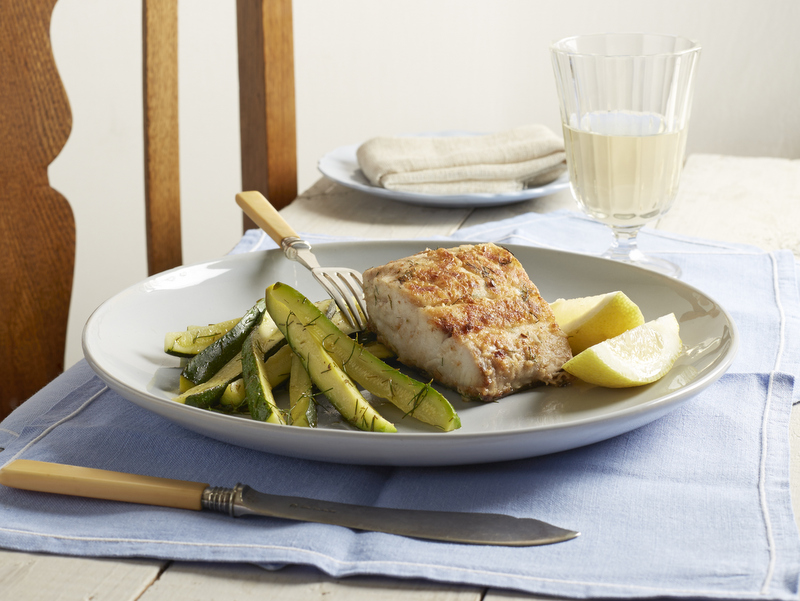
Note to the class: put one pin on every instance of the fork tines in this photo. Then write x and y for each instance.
(346, 288)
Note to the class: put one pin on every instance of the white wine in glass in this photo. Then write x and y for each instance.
(625, 102)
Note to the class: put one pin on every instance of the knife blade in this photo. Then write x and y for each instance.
(241, 500)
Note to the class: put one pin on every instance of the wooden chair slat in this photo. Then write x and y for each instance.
(161, 135)
(37, 228)
(267, 100)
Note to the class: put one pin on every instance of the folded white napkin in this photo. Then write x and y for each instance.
(527, 156)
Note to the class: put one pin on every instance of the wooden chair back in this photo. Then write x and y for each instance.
(37, 227)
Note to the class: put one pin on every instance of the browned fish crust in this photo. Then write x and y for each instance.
(468, 316)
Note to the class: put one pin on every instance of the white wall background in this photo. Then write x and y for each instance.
(370, 67)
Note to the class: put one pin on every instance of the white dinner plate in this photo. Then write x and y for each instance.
(123, 342)
(341, 165)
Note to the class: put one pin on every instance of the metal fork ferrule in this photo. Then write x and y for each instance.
(293, 243)
(297, 249)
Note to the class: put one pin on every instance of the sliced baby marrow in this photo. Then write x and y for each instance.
(414, 398)
(279, 366)
(325, 374)
(379, 350)
(279, 363)
(206, 363)
(258, 392)
(302, 408)
(208, 393)
(196, 338)
(233, 396)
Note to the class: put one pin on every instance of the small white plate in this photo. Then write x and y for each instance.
(341, 165)
(123, 342)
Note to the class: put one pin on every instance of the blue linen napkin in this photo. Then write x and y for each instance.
(695, 504)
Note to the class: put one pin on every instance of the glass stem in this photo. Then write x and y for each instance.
(625, 247)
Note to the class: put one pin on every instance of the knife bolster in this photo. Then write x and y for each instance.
(221, 499)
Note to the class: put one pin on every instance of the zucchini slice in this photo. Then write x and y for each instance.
(302, 408)
(379, 350)
(279, 366)
(208, 393)
(325, 374)
(233, 396)
(258, 392)
(279, 363)
(414, 398)
(211, 359)
(196, 338)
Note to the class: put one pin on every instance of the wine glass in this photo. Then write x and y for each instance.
(625, 101)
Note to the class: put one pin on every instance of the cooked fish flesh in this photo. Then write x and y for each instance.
(468, 316)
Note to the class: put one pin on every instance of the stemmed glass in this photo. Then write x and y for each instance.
(625, 101)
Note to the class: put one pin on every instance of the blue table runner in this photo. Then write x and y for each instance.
(695, 504)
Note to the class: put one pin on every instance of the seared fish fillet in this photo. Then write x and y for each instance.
(468, 316)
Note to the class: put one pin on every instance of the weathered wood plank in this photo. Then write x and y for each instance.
(555, 202)
(40, 577)
(245, 582)
(739, 199)
(498, 595)
(328, 208)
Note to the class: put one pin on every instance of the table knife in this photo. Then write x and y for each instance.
(241, 500)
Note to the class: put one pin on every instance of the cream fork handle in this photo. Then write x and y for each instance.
(265, 216)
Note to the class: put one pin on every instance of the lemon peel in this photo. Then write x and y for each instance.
(639, 356)
(592, 319)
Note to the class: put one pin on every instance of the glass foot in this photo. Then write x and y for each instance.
(637, 257)
(625, 250)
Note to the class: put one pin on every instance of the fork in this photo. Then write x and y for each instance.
(344, 285)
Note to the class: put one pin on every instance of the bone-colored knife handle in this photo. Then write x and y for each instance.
(265, 216)
(101, 484)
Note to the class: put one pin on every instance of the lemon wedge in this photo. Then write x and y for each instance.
(637, 357)
(592, 319)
